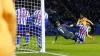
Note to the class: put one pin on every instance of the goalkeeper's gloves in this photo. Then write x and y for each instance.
(71, 25)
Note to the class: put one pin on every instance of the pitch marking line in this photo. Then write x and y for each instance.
(55, 54)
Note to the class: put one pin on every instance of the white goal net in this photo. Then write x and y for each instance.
(30, 26)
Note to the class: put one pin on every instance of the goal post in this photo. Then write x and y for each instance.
(27, 40)
(43, 26)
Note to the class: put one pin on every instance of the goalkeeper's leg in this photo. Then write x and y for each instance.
(71, 36)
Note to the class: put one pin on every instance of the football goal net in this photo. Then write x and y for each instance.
(30, 26)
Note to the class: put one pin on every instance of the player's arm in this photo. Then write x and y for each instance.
(78, 25)
(30, 19)
(10, 16)
(46, 20)
(28, 14)
(89, 21)
(78, 21)
(67, 26)
(16, 12)
(55, 37)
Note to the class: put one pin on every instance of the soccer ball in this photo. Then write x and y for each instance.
(89, 29)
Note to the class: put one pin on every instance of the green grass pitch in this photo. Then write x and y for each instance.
(68, 48)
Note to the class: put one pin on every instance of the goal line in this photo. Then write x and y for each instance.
(34, 51)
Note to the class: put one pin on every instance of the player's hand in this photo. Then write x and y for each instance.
(71, 25)
(53, 42)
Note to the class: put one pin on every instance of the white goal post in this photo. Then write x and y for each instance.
(43, 25)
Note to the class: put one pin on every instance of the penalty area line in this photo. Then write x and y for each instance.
(55, 54)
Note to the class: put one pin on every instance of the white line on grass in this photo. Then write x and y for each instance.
(55, 54)
(33, 51)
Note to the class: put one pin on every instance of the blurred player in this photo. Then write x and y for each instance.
(22, 18)
(37, 24)
(62, 29)
(81, 32)
(84, 21)
(7, 28)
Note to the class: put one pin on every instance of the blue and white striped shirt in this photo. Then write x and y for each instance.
(22, 16)
(83, 30)
(37, 14)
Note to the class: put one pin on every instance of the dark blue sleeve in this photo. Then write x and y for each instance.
(46, 22)
(31, 17)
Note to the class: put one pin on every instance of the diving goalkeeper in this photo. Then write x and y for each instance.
(78, 37)
(64, 32)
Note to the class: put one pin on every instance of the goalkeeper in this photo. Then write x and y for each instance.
(64, 32)
(85, 21)
(79, 33)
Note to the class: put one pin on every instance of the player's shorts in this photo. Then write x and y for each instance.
(22, 29)
(35, 30)
(80, 37)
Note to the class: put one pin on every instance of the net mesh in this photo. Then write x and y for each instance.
(27, 31)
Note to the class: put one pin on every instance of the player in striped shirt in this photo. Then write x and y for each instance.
(22, 17)
(83, 31)
(84, 21)
(36, 26)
